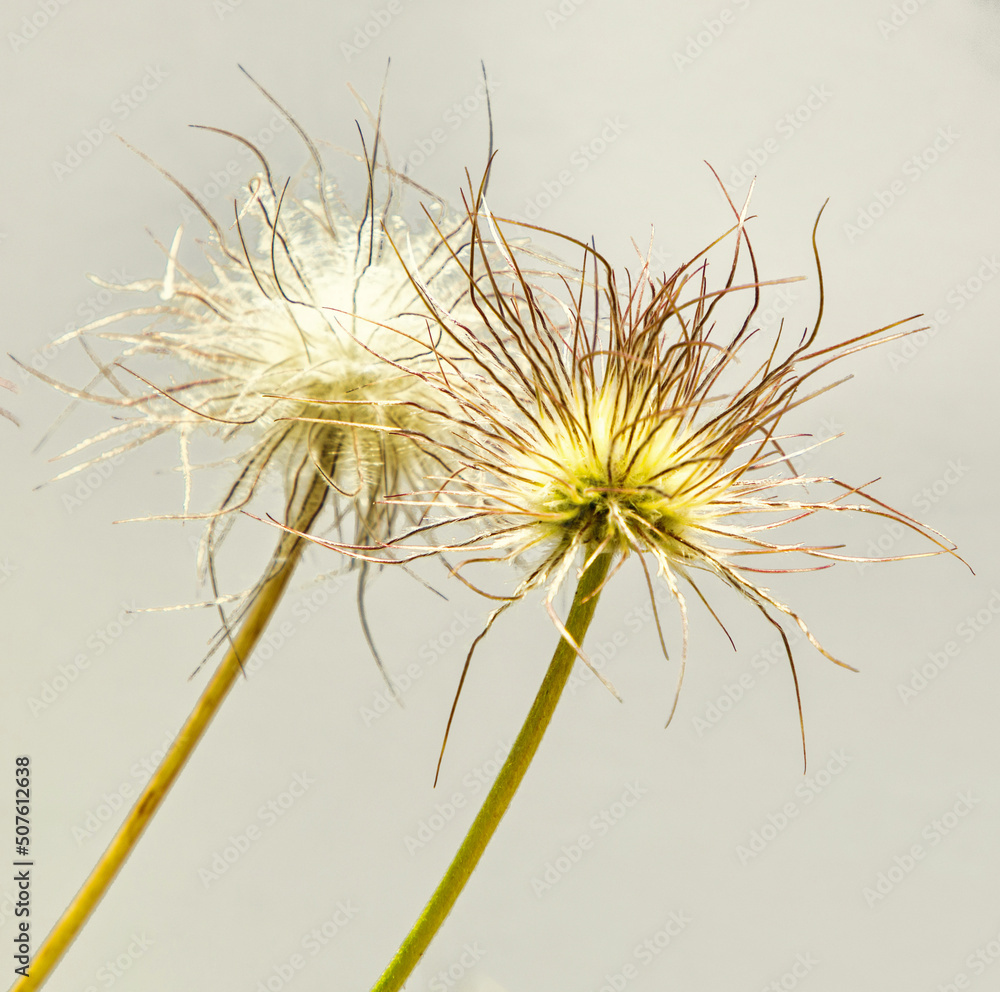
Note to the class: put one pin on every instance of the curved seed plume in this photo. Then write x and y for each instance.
(587, 419)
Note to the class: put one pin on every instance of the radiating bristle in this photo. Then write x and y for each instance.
(635, 424)
(305, 347)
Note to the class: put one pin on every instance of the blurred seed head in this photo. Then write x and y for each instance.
(297, 347)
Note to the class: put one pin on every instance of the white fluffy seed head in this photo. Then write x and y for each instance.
(305, 345)
(306, 338)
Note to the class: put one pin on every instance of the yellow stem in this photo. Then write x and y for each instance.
(259, 614)
(506, 784)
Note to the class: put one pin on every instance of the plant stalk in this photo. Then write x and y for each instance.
(506, 784)
(286, 557)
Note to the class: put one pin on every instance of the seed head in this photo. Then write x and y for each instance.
(292, 349)
(637, 424)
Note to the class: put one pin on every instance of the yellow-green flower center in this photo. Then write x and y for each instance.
(605, 473)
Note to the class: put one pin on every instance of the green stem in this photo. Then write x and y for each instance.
(506, 784)
(63, 934)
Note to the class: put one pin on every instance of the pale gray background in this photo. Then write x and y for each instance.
(926, 421)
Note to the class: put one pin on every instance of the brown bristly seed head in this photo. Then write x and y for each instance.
(626, 422)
